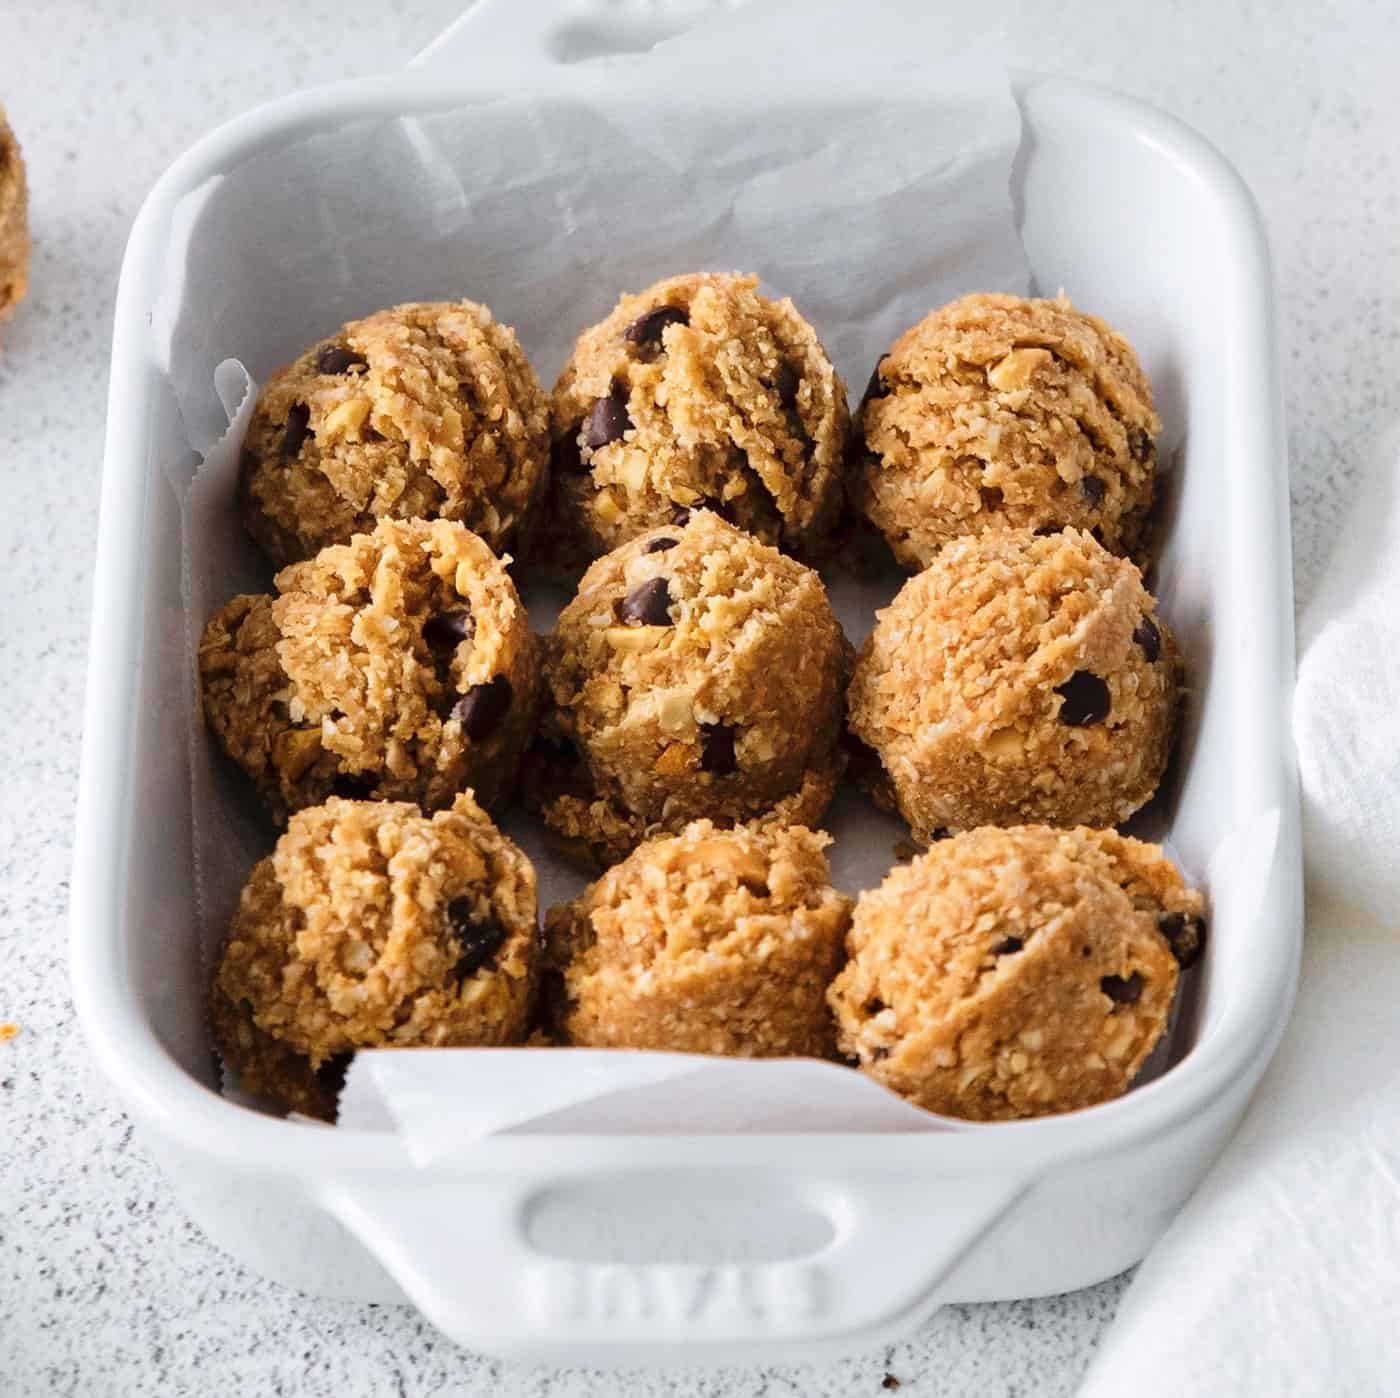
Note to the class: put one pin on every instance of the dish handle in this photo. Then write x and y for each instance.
(543, 33)
(460, 1246)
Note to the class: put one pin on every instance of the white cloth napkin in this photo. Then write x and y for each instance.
(1282, 1276)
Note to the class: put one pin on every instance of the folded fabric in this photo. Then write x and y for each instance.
(1346, 714)
(1282, 1275)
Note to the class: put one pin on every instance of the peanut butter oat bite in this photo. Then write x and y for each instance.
(14, 221)
(697, 674)
(1018, 678)
(710, 941)
(426, 410)
(374, 926)
(398, 666)
(1013, 973)
(698, 391)
(998, 412)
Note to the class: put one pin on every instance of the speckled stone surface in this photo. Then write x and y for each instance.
(105, 1288)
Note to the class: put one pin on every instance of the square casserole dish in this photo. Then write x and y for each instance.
(708, 1248)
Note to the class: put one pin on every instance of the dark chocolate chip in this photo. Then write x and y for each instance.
(1148, 638)
(481, 709)
(1008, 946)
(447, 630)
(480, 938)
(1186, 936)
(1122, 990)
(608, 420)
(1086, 700)
(680, 516)
(992, 498)
(717, 749)
(298, 424)
(354, 786)
(649, 603)
(336, 359)
(647, 330)
(567, 458)
(786, 382)
(659, 545)
(1139, 444)
(1092, 489)
(873, 1006)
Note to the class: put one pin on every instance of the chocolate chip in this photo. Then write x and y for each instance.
(1148, 638)
(1086, 700)
(786, 382)
(354, 786)
(647, 330)
(680, 516)
(567, 458)
(1139, 444)
(1186, 936)
(890, 1382)
(659, 545)
(992, 498)
(648, 603)
(717, 749)
(873, 1006)
(1122, 990)
(481, 709)
(298, 423)
(336, 359)
(1092, 489)
(480, 937)
(1008, 946)
(608, 420)
(447, 630)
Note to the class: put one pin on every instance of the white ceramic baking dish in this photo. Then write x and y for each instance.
(625, 1249)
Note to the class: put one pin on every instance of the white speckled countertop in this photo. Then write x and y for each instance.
(105, 1288)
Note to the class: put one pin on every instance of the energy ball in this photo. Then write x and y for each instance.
(14, 221)
(710, 941)
(697, 673)
(1012, 973)
(699, 392)
(399, 666)
(372, 925)
(998, 412)
(1019, 677)
(427, 410)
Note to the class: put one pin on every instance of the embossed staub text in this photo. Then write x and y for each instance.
(617, 1295)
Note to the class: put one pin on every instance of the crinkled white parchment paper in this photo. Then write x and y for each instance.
(881, 195)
